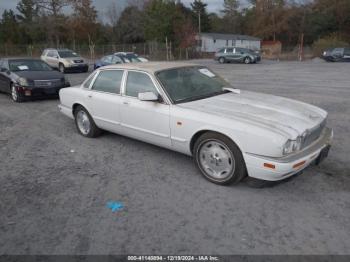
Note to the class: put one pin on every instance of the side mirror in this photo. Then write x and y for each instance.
(148, 96)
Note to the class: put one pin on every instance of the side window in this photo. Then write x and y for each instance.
(338, 51)
(347, 51)
(108, 81)
(88, 82)
(107, 59)
(229, 50)
(116, 59)
(52, 54)
(139, 83)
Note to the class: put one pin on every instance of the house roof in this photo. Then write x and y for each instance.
(230, 36)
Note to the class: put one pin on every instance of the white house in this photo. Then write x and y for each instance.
(211, 42)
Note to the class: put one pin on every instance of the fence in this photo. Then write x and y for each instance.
(151, 50)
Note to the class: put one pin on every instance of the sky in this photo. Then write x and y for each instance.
(102, 5)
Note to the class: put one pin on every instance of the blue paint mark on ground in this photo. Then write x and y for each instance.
(115, 206)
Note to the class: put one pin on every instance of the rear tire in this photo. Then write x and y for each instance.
(219, 159)
(85, 124)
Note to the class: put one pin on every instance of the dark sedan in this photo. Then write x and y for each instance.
(26, 78)
(339, 54)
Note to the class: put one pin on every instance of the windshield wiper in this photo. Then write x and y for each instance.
(194, 98)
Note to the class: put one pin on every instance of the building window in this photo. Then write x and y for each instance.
(233, 42)
(214, 40)
(226, 42)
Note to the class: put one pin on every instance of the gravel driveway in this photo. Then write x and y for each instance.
(55, 184)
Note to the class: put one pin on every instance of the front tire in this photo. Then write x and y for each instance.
(15, 95)
(222, 60)
(85, 124)
(61, 68)
(247, 60)
(219, 159)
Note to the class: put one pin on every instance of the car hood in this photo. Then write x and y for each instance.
(40, 75)
(289, 117)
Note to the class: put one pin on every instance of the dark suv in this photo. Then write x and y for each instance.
(237, 54)
(339, 54)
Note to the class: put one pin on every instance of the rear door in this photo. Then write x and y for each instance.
(104, 99)
(229, 54)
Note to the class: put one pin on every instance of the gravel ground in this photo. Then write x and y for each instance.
(55, 184)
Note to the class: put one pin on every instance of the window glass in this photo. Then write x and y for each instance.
(67, 53)
(109, 81)
(88, 82)
(117, 60)
(338, 51)
(347, 51)
(107, 59)
(191, 83)
(52, 54)
(139, 83)
(229, 50)
(28, 65)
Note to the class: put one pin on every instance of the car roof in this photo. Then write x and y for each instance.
(150, 67)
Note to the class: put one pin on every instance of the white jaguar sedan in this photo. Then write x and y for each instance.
(190, 109)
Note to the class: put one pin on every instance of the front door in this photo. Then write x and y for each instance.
(144, 120)
(104, 100)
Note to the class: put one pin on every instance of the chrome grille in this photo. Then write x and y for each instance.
(47, 83)
(314, 134)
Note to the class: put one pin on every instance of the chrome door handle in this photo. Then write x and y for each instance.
(89, 96)
(125, 102)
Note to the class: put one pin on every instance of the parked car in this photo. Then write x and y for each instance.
(64, 60)
(26, 78)
(108, 60)
(237, 54)
(132, 57)
(337, 55)
(192, 110)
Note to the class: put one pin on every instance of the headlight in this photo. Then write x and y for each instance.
(292, 145)
(23, 82)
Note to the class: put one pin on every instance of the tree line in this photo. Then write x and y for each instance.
(77, 22)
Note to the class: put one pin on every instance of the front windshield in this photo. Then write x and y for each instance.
(187, 84)
(28, 65)
(65, 54)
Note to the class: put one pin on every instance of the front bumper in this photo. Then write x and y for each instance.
(77, 67)
(274, 169)
(39, 92)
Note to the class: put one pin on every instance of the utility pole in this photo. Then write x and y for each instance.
(199, 21)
